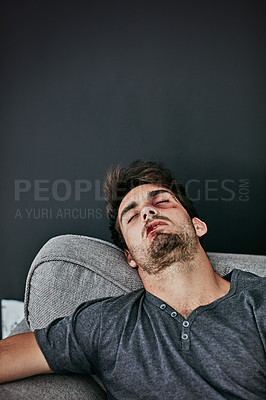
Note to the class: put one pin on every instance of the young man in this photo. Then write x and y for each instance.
(188, 334)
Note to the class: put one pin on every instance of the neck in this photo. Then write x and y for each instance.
(186, 286)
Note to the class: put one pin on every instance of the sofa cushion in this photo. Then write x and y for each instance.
(223, 263)
(71, 269)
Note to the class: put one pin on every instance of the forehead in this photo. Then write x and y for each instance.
(138, 194)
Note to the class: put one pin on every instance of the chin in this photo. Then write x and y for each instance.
(177, 247)
(165, 242)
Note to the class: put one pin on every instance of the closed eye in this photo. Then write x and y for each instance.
(130, 219)
(162, 201)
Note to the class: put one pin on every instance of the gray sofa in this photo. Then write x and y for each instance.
(69, 270)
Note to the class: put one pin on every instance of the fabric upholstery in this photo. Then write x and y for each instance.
(21, 328)
(53, 387)
(68, 270)
(71, 269)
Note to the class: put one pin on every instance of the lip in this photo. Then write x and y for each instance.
(153, 226)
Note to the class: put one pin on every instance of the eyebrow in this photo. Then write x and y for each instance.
(133, 204)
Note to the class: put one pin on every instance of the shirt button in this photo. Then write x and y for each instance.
(173, 314)
(184, 336)
(185, 324)
(162, 306)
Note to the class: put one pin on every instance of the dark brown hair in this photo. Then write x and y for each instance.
(119, 181)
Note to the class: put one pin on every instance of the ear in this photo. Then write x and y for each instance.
(130, 260)
(200, 226)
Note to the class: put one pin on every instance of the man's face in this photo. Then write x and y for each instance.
(157, 229)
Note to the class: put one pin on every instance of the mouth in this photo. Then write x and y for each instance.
(153, 227)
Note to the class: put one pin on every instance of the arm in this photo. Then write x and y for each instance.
(21, 357)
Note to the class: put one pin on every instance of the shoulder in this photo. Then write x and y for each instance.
(251, 286)
(250, 281)
(124, 302)
(111, 304)
(107, 317)
(91, 315)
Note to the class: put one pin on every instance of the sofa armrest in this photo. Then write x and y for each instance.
(50, 387)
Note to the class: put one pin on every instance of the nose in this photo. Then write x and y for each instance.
(148, 212)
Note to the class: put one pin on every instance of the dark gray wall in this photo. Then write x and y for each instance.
(89, 84)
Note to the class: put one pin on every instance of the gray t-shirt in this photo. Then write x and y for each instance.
(141, 348)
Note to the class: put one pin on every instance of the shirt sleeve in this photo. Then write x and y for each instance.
(70, 344)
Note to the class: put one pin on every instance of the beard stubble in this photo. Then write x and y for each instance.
(166, 249)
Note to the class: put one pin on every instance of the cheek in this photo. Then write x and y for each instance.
(175, 214)
(172, 210)
(127, 233)
(132, 237)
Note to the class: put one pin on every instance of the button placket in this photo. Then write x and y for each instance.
(185, 335)
(185, 329)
